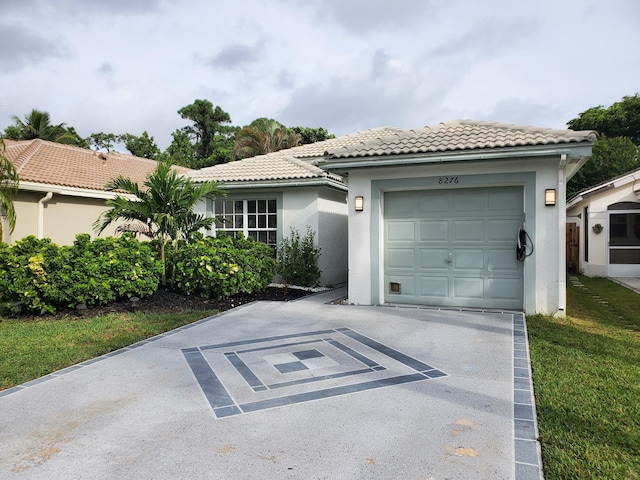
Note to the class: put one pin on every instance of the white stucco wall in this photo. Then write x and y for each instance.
(544, 271)
(324, 211)
(320, 208)
(597, 206)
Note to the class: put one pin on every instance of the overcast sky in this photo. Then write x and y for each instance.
(346, 65)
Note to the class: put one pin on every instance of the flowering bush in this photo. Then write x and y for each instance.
(222, 266)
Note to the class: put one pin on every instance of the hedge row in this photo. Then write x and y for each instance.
(42, 277)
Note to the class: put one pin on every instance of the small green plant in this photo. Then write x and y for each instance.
(298, 259)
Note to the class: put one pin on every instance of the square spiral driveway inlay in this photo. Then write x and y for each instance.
(251, 375)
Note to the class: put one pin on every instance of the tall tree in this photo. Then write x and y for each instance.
(262, 136)
(162, 208)
(143, 146)
(622, 119)
(610, 158)
(209, 130)
(616, 151)
(8, 191)
(103, 141)
(312, 135)
(37, 124)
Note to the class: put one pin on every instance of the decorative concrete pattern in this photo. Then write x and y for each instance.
(289, 369)
(525, 429)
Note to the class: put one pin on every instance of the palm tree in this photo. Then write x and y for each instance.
(8, 191)
(264, 135)
(162, 208)
(37, 124)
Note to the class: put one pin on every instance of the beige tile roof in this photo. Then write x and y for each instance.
(458, 135)
(286, 164)
(51, 163)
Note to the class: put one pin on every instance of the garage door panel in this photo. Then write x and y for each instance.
(399, 205)
(434, 230)
(503, 230)
(468, 288)
(433, 202)
(468, 230)
(468, 259)
(503, 260)
(505, 289)
(401, 257)
(434, 287)
(401, 231)
(434, 259)
(467, 201)
(454, 247)
(407, 286)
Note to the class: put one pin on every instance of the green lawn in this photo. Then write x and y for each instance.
(586, 374)
(32, 348)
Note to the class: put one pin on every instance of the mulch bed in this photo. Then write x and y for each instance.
(165, 300)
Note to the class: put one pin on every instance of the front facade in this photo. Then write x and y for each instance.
(444, 209)
(608, 218)
(460, 214)
(269, 195)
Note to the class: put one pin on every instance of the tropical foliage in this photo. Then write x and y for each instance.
(39, 276)
(37, 124)
(616, 151)
(162, 208)
(264, 135)
(222, 266)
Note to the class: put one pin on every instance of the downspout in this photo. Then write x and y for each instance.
(41, 203)
(562, 254)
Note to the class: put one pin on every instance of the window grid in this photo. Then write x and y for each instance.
(252, 218)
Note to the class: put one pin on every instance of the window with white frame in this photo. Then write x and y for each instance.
(254, 218)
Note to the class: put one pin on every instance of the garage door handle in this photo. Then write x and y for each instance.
(450, 258)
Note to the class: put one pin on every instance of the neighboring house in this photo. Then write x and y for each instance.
(434, 214)
(62, 188)
(608, 218)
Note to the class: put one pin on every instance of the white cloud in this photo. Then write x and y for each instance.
(129, 65)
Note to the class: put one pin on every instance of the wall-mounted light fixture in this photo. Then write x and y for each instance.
(550, 197)
(359, 204)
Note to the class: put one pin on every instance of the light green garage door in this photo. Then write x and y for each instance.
(453, 247)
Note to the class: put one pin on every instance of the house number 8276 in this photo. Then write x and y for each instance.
(447, 180)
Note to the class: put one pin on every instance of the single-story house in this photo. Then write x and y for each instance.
(608, 218)
(62, 187)
(459, 214)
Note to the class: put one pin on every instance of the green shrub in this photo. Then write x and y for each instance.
(222, 266)
(44, 277)
(298, 259)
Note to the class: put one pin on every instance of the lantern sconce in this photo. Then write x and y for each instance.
(359, 204)
(550, 197)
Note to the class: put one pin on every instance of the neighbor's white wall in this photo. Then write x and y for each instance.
(548, 241)
(598, 213)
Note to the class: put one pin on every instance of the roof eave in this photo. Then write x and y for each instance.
(285, 183)
(572, 151)
(70, 191)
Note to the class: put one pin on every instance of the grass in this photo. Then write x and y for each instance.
(586, 374)
(30, 349)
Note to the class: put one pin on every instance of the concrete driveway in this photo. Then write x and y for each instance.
(297, 390)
